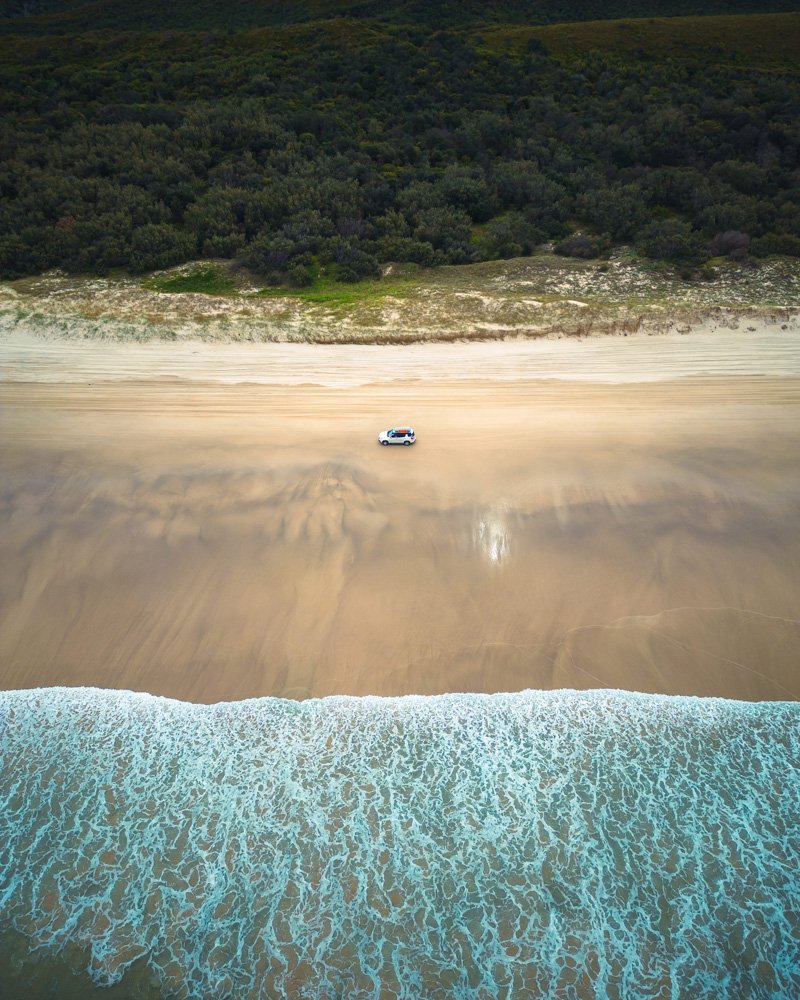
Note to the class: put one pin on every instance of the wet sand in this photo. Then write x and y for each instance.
(211, 542)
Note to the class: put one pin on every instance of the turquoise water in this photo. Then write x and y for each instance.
(568, 844)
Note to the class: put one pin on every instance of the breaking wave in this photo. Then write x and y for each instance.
(563, 843)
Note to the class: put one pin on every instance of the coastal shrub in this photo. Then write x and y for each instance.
(465, 187)
(671, 240)
(354, 264)
(510, 235)
(582, 245)
(268, 254)
(405, 248)
(158, 246)
(300, 276)
(730, 244)
(444, 228)
(776, 243)
(619, 210)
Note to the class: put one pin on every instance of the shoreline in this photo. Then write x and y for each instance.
(646, 698)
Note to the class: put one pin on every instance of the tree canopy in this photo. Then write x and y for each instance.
(357, 142)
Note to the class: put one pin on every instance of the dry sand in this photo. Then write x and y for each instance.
(211, 541)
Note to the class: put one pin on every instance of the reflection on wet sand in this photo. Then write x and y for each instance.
(210, 542)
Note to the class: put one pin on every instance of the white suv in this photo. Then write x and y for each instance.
(398, 435)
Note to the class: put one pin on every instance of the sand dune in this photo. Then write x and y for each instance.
(214, 542)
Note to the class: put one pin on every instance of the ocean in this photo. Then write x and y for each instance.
(539, 844)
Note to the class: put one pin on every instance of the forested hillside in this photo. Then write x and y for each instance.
(46, 17)
(347, 143)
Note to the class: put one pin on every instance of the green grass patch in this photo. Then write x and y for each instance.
(328, 291)
(204, 280)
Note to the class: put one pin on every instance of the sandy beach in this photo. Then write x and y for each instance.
(615, 524)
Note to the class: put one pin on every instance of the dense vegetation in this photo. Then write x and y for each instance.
(49, 17)
(351, 142)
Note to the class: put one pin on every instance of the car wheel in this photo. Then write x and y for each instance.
(406, 442)
(384, 443)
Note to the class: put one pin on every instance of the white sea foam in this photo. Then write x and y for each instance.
(544, 843)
